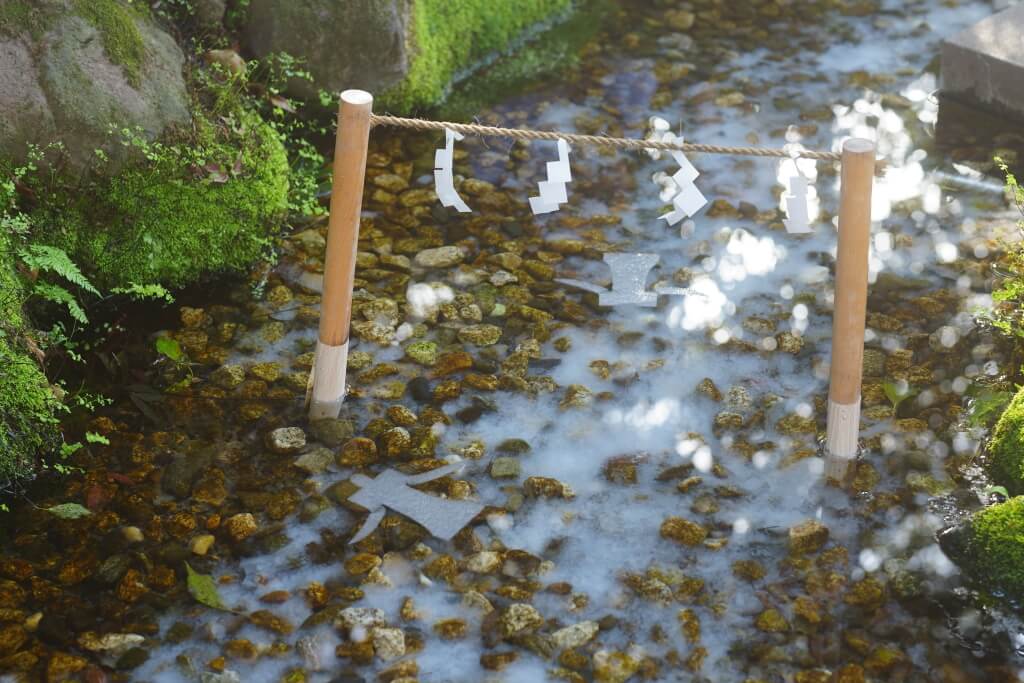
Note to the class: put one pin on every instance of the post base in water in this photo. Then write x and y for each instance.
(329, 368)
(841, 439)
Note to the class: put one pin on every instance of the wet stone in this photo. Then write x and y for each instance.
(423, 352)
(315, 461)
(807, 537)
(517, 619)
(228, 376)
(241, 526)
(513, 446)
(285, 440)
(683, 531)
(547, 487)
(771, 621)
(505, 468)
(480, 335)
(497, 661)
(707, 387)
(332, 432)
(266, 619)
(358, 452)
(439, 257)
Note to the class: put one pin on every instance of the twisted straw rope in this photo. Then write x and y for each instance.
(599, 140)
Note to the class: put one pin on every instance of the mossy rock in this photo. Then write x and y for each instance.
(76, 68)
(171, 220)
(27, 406)
(408, 53)
(1006, 447)
(990, 547)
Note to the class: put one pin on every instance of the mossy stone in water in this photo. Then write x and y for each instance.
(992, 549)
(1006, 448)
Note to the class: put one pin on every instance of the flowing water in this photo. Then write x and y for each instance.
(584, 430)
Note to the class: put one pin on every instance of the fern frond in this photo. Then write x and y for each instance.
(54, 260)
(61, 296)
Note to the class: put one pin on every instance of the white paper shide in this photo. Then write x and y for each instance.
(552, 190)
(688, 200)
(444, 178)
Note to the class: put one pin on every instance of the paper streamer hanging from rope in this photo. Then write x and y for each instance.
(444, 179)
(688, 200)
(798, 221)
(552, 190)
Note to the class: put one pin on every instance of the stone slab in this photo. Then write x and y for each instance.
(984, 64)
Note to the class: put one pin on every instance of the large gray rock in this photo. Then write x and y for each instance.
(344, 44)
(984, 64)
(58, 83)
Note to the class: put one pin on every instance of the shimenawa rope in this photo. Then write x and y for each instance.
(599, 140)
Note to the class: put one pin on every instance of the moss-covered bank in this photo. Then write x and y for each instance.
(27, 422)
(1006, 447)
(452, 36)
(205, 205)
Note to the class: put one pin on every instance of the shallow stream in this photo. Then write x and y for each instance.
(585, 430)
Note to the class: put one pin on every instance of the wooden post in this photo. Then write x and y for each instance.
(851, 293)
(350, 149)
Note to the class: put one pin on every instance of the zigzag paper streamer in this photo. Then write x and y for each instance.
(552, 190)
(688, 199)
(798, 221)
(444, 179)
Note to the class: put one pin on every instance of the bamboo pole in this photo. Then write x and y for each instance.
(851, 293)
(350, 150)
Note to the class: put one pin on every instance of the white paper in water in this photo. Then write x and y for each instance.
(444, 178)
(688, 200)
(798, 221)
(629, 281)
(553, 191)
(392, 490)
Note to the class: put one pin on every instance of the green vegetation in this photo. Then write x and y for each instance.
(187, 212)
(16, 15)
(204, 201)
(115, 21)
(1007, 313)
(452, 34)
(558, 52)
(995, 546)
(27, 406)
(1006, 448)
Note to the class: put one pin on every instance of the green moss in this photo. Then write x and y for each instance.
(21, 15)
(994, 551)
(27, 423)
(451, 35)
(177, 217)
(122, 41)
(556, 51)
(1006, 447)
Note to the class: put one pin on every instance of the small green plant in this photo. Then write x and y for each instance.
(1007, 314)
(897, 393)
(170, 348)
(986, 404)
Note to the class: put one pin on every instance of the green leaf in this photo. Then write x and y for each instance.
(59, 295)
(143, 292)
(897, 393)
(69, 511)
(1001, 490)
(52, 259)
(170, 348)
(67, 449)
(987, 406)
(93, 437)
(204, 589)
